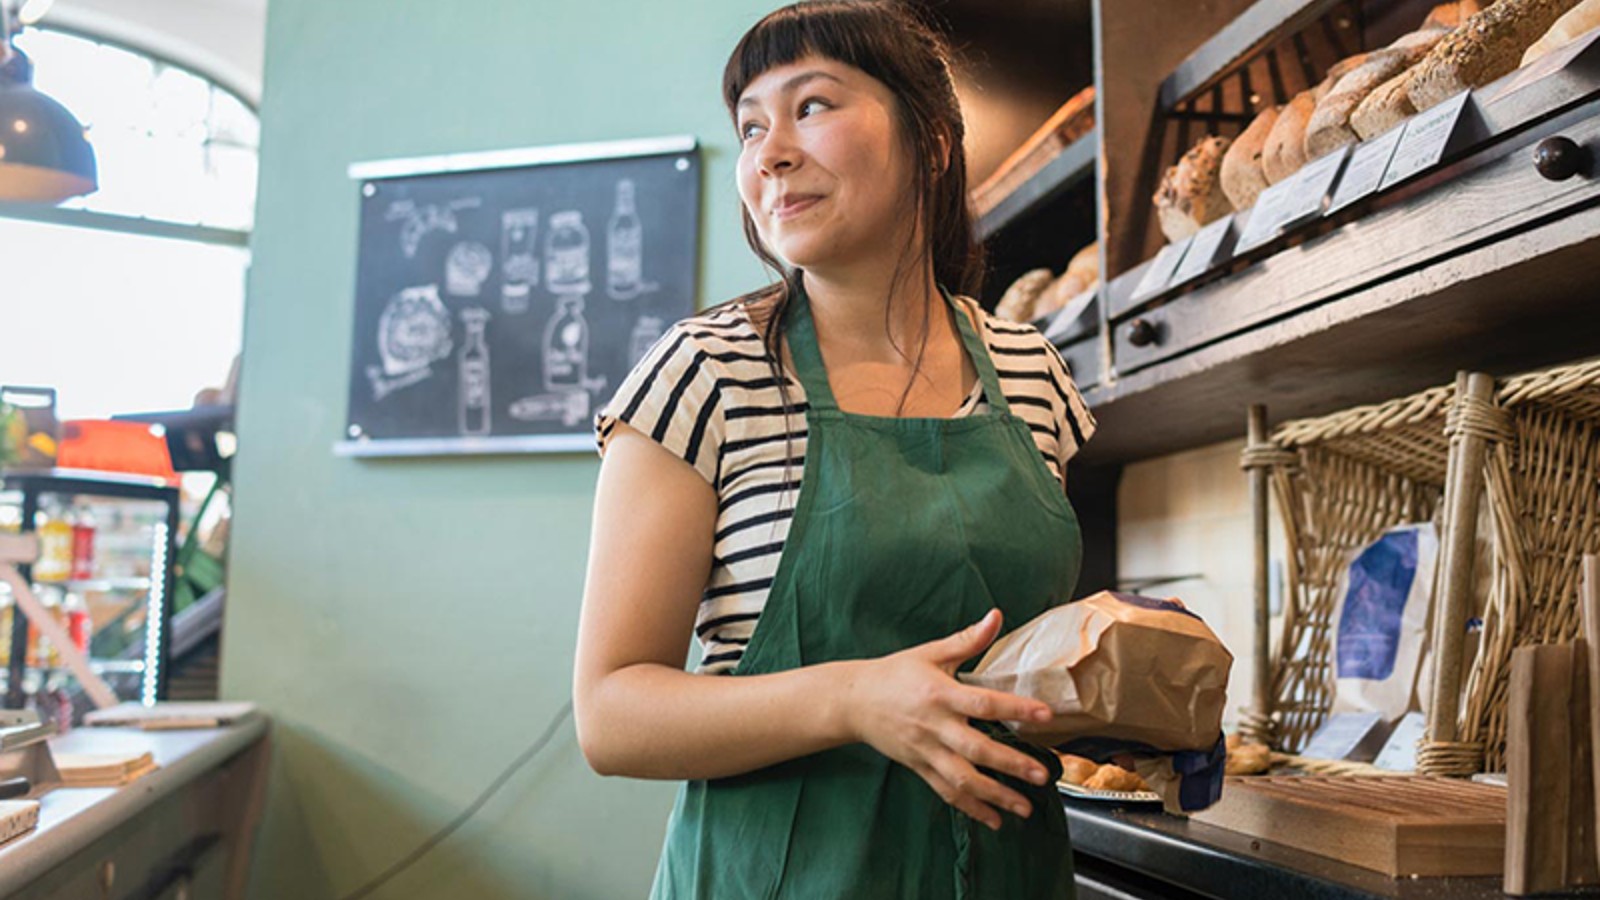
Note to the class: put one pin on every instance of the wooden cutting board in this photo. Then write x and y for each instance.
(1398, 825)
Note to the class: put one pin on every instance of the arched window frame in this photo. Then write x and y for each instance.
(134, 224)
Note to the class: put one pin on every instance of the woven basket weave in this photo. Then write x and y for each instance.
(1341, 480)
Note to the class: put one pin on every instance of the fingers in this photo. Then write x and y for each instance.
(979, 749)
(997, 706)
(968, 642)
(975, 794)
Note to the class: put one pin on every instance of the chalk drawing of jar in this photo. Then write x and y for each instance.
(566, 254)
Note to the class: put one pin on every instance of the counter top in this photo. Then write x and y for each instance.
(1214, 862)
(71, 819)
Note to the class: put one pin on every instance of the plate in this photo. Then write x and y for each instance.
(1082, 793)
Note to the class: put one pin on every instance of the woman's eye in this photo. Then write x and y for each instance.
(811, 106)
(748, 130)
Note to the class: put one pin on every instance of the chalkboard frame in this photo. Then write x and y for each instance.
(359, 446)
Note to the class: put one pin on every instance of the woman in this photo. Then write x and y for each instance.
(842, 485)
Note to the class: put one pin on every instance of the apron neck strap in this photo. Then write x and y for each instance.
(813, 375)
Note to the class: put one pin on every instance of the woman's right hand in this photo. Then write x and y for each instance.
(910, 707)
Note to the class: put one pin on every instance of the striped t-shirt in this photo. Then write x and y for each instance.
(706, 393)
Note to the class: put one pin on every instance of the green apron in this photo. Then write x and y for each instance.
(905, 530)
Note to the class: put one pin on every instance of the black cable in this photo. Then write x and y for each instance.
(446, 831)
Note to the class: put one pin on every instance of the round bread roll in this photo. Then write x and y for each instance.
(1052, 298)
(1242, 177)
(1284, 151)
(1190, 195)
(1076, 769)
(1388, 105)
(1019, 300)
(1086, 263)
(1110, 777)
(1329, 126)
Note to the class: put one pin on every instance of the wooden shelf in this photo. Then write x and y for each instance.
(1072, 165)
(1519, 302)
(1252, 31)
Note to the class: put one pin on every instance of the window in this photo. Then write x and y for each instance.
(132, 299)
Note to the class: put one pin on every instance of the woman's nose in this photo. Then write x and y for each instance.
(778, 151)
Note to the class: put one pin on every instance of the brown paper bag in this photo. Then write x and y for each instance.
(1115, 666)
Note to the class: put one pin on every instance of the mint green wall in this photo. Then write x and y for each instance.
(409, 625)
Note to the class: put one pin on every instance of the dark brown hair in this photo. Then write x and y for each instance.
(888, 41)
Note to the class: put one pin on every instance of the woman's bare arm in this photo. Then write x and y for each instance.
(639, 714)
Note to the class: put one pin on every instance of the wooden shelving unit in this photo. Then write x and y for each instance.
(1071, 167)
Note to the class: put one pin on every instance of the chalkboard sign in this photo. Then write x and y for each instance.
(502, 297)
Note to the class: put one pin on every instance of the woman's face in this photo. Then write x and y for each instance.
(822, 168)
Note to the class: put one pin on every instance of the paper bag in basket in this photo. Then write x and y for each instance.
(1122, 672)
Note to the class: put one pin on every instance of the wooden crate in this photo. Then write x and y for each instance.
(1397, 825)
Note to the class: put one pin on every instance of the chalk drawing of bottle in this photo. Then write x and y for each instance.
(646, 332)
(519, 258)
(566, 254)
(566, 347)
(474, 364)
(624, 247)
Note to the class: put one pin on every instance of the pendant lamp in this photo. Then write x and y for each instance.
(44, 157)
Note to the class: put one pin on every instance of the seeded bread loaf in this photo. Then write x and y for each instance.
(1451, 15)
(1578, 21)
(1190, 195)
(1485, 47)
(1329, 126)
(1242, 177)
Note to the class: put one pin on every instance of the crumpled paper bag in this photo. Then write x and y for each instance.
(1122, 673)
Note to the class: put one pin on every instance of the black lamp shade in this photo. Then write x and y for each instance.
(43, 155)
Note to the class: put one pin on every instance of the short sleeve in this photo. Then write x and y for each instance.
(1076, 423)
(672, 397)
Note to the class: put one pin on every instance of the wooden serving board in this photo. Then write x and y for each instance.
(1398, 825)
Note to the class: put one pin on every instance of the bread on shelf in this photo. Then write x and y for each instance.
(1190, 195)
(1086, 263)
(1019, 300)
(1242, 177)
(1388, 105)
(1451, 15)
(1284, 151)
(1573, 24)
(1329, 127)
(1486, 46)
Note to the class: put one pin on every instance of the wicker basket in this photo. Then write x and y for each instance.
(1531, 448)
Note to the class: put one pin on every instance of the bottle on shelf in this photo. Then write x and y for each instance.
(76, 613)
(55, 547)
(83, 531)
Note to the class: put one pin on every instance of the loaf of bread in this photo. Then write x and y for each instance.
(1190, 195)
(1076, 769)
(1057, 293)
(1086, 263)
(1329, 126)
(1242, 177)
(1575, 23)
(1284, 151)
(1018, 302)
(1451, 15)
(1387, 106)
(1485, 47)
